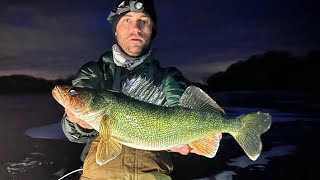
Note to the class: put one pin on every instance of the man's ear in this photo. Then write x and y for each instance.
(115, 34)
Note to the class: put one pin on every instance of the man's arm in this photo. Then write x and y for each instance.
(76, 130)
(174, 84)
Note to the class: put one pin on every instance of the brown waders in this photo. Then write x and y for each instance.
(131, 164)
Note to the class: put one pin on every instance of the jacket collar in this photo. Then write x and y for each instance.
(107, 57)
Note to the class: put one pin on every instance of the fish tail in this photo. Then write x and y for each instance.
(248, 137)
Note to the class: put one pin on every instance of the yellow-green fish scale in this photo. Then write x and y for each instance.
(153, 127)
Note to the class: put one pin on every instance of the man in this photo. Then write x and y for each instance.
(134, 26)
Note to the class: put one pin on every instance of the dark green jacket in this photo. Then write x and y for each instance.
(105, 75)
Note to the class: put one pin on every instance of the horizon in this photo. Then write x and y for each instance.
(203, 82)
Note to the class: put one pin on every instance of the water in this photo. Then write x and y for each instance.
(33, 146)
(23, 157)
(283, 105)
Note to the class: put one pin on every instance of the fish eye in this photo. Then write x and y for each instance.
(73, 92)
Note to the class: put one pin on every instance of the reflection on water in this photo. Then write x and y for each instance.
(295, 118)
(262, 161)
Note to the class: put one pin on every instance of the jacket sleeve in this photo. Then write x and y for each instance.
(90, 75)
(174, 84)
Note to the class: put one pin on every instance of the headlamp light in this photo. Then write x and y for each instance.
(136, 6)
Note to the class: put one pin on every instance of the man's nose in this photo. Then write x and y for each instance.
(136, 27)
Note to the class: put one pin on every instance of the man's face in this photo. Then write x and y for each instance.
(133, 33)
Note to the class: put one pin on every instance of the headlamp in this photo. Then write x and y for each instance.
(135, 6)
(125, 6)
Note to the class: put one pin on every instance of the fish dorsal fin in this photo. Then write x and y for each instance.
(207, 146)
(108, 148)
(144, 90)
(194, 98)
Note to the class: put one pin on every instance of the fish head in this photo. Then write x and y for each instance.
(77, 100)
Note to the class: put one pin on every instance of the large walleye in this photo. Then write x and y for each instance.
(197, 121)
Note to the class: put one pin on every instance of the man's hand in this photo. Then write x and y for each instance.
(74, 119)
(184, 150)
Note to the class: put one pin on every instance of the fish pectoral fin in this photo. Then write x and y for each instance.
(207, 146)
(107, 151)
(108, 148)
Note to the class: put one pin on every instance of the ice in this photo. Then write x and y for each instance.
(51, 131)
(264, 158)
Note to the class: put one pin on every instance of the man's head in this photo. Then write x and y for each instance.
(134, 25)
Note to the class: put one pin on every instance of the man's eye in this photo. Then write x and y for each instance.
(73, 92)
(127, 20)
(144, 21)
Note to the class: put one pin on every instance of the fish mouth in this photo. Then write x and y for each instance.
(59, 93)
(56, 94)
(64, 96)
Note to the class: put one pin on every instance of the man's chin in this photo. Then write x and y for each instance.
(136, 44)
(136, 51)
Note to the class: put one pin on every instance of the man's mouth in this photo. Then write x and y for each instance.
(136, 39)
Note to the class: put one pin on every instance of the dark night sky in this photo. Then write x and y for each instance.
(54, 38)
